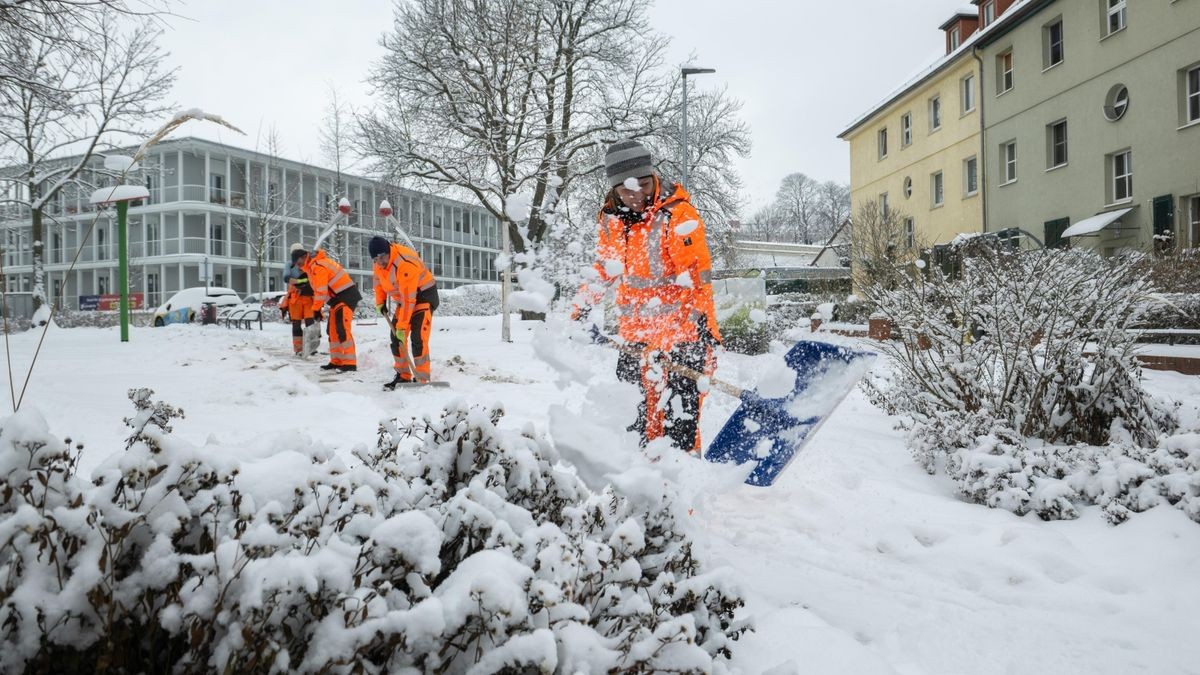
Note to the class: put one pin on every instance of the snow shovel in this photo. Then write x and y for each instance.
(771, 431)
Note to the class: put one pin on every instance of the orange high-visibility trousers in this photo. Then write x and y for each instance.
(341, 336)
(414, 357)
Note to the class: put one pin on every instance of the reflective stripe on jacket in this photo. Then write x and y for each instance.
(662, 271)
(404, 277)
(329, 281)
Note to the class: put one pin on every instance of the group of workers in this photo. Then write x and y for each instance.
(651, 254)
(319, 287)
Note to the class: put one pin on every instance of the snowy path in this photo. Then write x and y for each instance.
(855, 562)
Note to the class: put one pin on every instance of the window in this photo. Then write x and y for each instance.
(910, 232)
(1004, 72)
(216, 184)
(1116, 15)
(906, 130)
(102, 285)
(1192, 95)
(884, 206)
(935, 113)
(970, 176)
(938, 193)
(1053, 233)
(955, 39)
(1122, 176)
(907, 187)
(968, 94)
(883, 143)
(1116, 103)
(989, 12)
(1194, 221)
(1052, 42)
(1056, 144)
(1008, 162)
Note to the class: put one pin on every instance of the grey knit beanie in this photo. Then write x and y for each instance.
(627, 159)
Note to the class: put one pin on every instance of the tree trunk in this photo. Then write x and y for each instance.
(39, 268)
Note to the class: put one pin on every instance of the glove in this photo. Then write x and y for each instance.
(705, 335)
(319, 314)
(401, 335)
(283, 313)
(598, 338)
(382, 309)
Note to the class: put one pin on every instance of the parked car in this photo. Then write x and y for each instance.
(185, 305)
(268, 299)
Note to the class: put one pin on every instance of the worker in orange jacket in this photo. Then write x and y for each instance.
(297, 304)
(652, 250)
(332, 285)
(401, 277)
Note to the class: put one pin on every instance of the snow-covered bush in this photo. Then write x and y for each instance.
(450, 547)
(1008, 374)
(741, 314)
(1173, 311)
(470, 300)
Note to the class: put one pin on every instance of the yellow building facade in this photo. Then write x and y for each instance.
(920, 153)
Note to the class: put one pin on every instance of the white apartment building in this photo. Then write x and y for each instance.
(207, 202)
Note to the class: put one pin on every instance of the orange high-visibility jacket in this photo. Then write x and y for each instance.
(403, 277)
(327, 279)
(662, 271)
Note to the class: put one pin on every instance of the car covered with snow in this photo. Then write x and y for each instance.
(185, 305)
(268, 299)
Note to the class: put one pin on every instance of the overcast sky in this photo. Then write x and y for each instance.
(804, 69)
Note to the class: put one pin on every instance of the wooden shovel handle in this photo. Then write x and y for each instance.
(689, 373)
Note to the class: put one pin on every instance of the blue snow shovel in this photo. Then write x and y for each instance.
(771, 431)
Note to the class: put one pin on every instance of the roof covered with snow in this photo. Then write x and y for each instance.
(1011, 17)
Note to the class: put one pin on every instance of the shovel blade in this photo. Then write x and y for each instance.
(770, 431)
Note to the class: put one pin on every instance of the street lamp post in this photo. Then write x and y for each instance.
(121, 195)
(689, 71)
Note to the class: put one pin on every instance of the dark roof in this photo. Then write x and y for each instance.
(958, 16)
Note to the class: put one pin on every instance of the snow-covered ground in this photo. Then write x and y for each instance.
(856, 561)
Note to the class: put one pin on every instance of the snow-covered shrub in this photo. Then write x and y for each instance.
(450, 547)
(746, 331)
(1000, 372)
(470, 300)
(1172, 311)
(741, 314)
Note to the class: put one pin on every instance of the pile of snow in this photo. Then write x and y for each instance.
(451, 545)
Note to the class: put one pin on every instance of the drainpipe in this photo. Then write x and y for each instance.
(983, 167)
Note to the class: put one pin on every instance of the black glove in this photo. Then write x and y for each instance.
(706, 336)
(283, 313)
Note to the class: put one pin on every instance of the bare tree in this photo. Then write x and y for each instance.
(799, 200)
(882, 247)
(767, 224)
(266, 221)
(498, 98)
(62, 22)
(716, 137)
(834, 207)
(108, 76)
(336, 139)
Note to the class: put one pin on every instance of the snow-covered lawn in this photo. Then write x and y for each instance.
(855, 562)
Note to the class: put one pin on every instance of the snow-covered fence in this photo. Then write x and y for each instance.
(452, 545)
